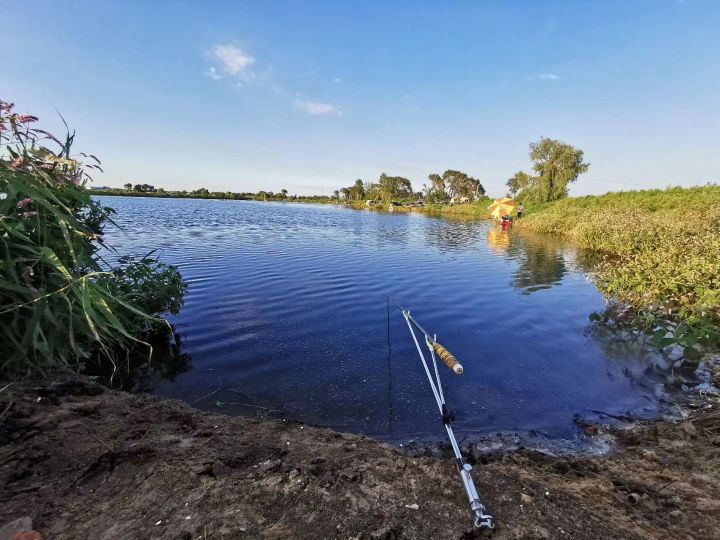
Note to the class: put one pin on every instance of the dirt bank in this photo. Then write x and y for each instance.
(86, 462)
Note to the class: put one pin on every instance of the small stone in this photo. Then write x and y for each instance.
(689, 429)
(650, 455)
(675, 514)
(412, 506)
(525, 498)
(674, 352)
(712, 505)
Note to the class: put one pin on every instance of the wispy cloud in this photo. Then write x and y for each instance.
(237, 67)
(544, 77)
(318, 109)
(229, 61)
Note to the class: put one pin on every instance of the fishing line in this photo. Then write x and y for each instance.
(391, 414)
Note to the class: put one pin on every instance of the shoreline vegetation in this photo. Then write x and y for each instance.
(62, 306)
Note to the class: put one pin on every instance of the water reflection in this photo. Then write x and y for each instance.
(143, 370)
(452, 234)
(498, 240)
(667, 372)
(541, 259)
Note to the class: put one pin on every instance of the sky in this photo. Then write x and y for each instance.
(310, 95)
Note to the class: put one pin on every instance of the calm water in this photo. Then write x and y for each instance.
(287, 307)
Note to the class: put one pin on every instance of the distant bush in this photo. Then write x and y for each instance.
(661, 252)
(60, 306)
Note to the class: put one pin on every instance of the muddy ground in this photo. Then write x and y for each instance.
(86, 462)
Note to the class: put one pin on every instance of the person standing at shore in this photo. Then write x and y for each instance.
(520, 210)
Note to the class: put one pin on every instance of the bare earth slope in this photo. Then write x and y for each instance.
(86, 462)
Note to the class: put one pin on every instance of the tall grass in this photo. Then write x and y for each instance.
(661, 252)
(60, 305)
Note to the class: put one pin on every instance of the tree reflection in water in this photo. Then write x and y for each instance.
(541, 259)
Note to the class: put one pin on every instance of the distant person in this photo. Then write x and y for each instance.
(521, 209)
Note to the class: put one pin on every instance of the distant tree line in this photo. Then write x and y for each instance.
(147, 190)
(388, 188)
(555, 165)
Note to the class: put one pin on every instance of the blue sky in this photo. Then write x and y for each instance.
(311, 95)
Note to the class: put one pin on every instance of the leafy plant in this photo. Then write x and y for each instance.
(660, 253)
(60, 305)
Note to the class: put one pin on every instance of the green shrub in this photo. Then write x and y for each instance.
(60, 305)
(661, 252)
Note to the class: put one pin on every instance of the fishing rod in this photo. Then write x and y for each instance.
(482, 519)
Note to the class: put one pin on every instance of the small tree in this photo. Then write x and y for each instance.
(556, 164)
(128, 186)
(358, 190)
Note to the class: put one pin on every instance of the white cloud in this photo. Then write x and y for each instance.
(545, 76)
(337, 80)
(318, 109)
(213, 73)
(231, 61)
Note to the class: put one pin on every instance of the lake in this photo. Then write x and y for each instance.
(287, 311)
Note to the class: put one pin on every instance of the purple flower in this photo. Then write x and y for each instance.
(24, 202)
(28, 215)
(26, 118)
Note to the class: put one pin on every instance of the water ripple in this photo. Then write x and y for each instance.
(288, 304)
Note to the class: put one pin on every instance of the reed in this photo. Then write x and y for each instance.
(61, 306)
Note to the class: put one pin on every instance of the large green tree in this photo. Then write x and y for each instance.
(556, 166)
(394, 187)
(456, 184)
(436, 191)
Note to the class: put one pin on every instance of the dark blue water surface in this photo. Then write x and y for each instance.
(286, 310)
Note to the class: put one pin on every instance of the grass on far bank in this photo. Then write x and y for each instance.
(477, 209)
(661, 252)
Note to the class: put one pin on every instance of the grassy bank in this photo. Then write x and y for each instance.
(476, 210)
(661, 252)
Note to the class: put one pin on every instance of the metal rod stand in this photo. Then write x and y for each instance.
(481, 518)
